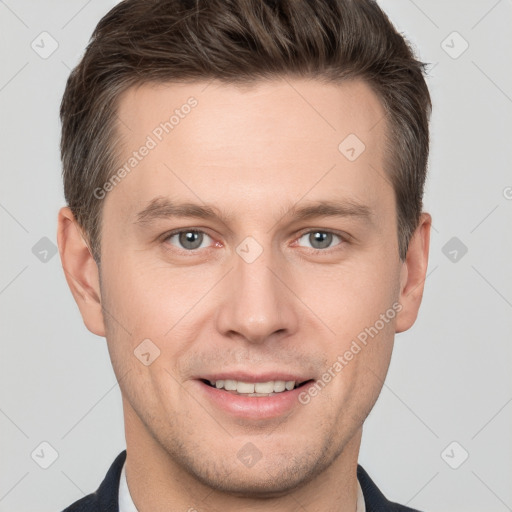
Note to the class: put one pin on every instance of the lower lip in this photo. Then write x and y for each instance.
(256, 407)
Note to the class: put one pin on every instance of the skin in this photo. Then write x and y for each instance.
(252, 153)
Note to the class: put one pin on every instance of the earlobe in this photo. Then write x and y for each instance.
(80, 270)
(413, 274)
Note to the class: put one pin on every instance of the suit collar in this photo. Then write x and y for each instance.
(108, 492)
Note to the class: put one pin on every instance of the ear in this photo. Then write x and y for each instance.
(413, 274)
(80, 270)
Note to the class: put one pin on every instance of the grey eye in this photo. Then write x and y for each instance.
(319, 239)
(189, 239)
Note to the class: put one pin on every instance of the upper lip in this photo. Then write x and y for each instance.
(255, 377)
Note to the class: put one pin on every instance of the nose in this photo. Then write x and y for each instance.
(257, 305)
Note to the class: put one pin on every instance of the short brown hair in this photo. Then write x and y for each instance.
(237, 42)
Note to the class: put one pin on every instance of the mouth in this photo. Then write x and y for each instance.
(255, 389)
(254, 398)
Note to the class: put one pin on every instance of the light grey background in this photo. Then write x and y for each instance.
(450, 375)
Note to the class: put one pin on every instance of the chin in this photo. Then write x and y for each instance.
(266, 479)
(250, 483)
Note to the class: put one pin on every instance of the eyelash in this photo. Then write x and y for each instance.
(343, 240)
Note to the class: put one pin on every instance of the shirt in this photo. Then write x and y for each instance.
(106, 496)
(126, 503)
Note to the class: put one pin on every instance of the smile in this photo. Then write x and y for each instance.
(261, 399)
(254, 389)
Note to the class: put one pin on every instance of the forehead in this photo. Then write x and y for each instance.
(322, 109)
(288, 137)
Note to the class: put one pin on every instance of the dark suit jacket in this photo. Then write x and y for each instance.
(105, 498)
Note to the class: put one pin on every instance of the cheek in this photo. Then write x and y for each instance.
(151, 308)
(351, 297)
(142, 313)
(357, 304)
(151, 297)
(355, 374)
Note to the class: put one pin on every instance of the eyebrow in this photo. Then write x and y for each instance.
(164, 208)
(329, 208)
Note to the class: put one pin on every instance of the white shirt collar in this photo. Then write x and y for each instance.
(125, 500)
(126, 503)
(361, 505)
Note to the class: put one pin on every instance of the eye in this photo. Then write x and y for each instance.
(320, 239)
(189, 239)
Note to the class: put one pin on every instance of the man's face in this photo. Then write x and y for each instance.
(255, 292)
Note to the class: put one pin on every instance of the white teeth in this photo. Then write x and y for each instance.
(254, 389)
(280, 385)
(264, 387)
(230, 385)
(244, 387)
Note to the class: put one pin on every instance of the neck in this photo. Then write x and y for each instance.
(158, 483)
